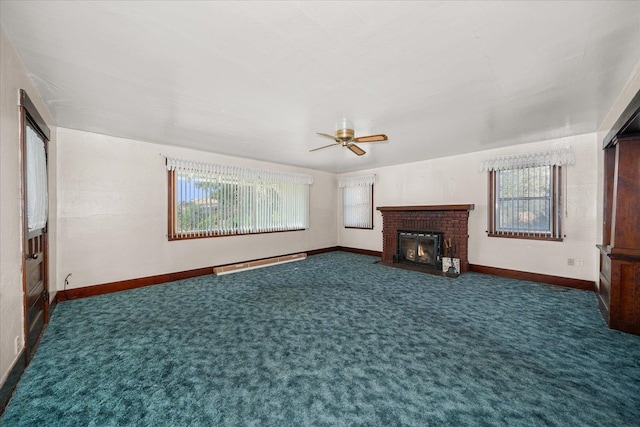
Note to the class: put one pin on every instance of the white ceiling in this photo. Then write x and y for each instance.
(258, 79)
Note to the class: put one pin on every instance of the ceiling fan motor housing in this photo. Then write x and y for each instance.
(345, 134)
(344, 130)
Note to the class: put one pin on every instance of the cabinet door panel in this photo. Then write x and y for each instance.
(630, 293)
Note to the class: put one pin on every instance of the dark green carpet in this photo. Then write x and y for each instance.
(333, 340)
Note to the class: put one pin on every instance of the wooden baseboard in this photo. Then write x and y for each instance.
(360, 251)
(7, 389)
(585, 285)
(345, 249)
(323, 250)
(123, 285)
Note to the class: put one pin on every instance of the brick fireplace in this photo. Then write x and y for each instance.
(450, 220)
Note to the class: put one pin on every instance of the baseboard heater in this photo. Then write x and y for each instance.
(250, 265)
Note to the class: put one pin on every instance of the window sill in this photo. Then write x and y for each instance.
(204, 236)
(525, 237)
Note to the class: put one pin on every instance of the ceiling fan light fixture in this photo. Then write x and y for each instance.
(344, 130)
(344, 124)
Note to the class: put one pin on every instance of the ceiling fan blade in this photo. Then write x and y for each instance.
(326, 146)
(326, 135)
(371, 138)
(359, 151)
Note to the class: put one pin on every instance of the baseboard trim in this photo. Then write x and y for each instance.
(9, 386)
(585, 285)
(360, 251)
(124, 285)
(322, 250)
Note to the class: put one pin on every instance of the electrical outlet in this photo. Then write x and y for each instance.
(579, 263)
(571, 262)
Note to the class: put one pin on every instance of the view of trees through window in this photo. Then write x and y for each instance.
(203, 205)
(525, 194)
(524, 200)
(208, 205)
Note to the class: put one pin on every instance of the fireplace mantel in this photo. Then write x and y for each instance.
(450, 220)
(425, 208)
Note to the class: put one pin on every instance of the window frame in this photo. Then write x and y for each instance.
(370, 207)
(172, 216)
(555, 233)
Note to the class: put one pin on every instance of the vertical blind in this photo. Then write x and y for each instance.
(217, 200)
(36, 171)
(527, 202)
(357, 205)
(525, 193)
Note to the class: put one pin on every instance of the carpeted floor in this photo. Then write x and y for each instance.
(332, 340)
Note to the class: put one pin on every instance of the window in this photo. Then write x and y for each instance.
(524, 193)
(357, 201)
(525, 202)
(36, 179)
(207, 200)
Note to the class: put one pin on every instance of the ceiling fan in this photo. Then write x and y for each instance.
(345, 137)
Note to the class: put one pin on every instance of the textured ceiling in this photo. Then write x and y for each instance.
(258, 79)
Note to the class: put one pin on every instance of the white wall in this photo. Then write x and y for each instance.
(13, 77)
(456, 180)
(630, 89)
(112, 213)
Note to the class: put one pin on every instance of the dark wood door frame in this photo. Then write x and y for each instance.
(35, 253)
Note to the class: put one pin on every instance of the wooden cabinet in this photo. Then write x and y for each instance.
(619, 284)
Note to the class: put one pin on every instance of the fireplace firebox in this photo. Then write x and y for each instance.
(422, 248)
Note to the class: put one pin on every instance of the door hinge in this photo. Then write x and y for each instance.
(45, 295)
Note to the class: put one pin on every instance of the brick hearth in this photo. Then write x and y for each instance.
(452, 220)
